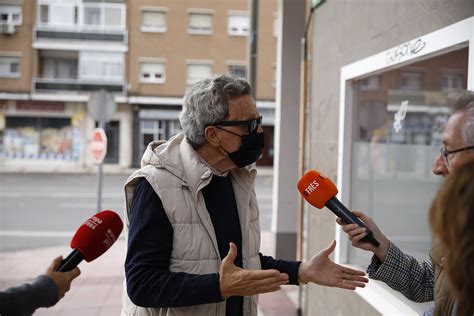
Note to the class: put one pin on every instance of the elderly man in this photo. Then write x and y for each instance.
(192, 215)
(421, 281)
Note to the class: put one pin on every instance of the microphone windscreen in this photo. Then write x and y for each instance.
(97, 234)
(316, 188)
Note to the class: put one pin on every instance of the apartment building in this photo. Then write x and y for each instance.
(174, 43)
(145, 53)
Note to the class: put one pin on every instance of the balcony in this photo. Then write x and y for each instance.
(80, 35)
(77, 85)
(96, 23)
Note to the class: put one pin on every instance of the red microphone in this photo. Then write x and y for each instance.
(320, 191)
(93, 238)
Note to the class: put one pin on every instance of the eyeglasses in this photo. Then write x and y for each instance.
(252, 124)
(446, 153)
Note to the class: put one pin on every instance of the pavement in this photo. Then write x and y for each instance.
(98, 291)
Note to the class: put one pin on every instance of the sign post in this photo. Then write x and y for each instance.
(101, 107)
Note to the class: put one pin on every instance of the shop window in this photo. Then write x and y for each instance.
(152, 72)
(151, 130)
(9, 66)
(39, 138)
(153, 21)
(197, 72)
(397, 136)
(238, 24)
(200, 23)
(112, 131)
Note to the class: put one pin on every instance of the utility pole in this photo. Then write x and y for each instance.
(252, 47)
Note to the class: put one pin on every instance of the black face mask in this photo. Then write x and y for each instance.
(250, 149)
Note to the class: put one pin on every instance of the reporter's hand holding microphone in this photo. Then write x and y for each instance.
(91, 240)
(357, 234)
(62, 280)
(320, 191)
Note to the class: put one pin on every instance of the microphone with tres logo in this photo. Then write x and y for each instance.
(320, 191)
(94, 237)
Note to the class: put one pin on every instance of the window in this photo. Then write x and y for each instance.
(92, 16)
(153, 21)
(200, 23)
(451, 80)
(411, 80)
(57, 14)
(157, 129)
(370, 83)
(9, 66)
(197, 72)
(238, 24)
(44, 13)
(238, 71)
(396, 139)
(100, 66)
(39, 138)
(10, 14)
(59, 68)
(152, 72)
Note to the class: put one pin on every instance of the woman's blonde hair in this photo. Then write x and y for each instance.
(452, 224)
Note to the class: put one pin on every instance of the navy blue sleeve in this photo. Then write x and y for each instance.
(150, 241)
(284, 266)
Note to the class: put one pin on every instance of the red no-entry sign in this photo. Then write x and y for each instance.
(98, 145)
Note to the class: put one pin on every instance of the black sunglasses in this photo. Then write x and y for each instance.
(252, 124)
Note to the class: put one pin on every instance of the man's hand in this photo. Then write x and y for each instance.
(62, 279)
(235, 281)
(356, 233)
(321, 270)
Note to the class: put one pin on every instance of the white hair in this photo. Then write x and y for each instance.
(207, 102)
(460, 101)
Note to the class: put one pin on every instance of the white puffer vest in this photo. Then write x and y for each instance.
(174, 171)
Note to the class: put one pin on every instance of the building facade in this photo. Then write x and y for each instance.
(377, 108)
(54, 54)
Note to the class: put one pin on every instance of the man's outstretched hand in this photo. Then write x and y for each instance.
(235, 281)
(321, 270)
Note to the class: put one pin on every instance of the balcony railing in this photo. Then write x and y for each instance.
(80, 34)
(77, 85)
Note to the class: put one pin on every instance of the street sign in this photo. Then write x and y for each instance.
(98, 145)
(101, 106)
